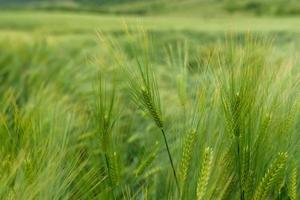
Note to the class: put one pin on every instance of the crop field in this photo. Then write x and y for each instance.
(158, 99)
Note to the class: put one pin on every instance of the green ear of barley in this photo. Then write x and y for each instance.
(149, 104)
(146, 163)
(151, 172)
(271, 177)
(114, 169)
(187, 155)
(246, 173)
(292, 187)
(262, 133)
(204, 173)
(145, 93)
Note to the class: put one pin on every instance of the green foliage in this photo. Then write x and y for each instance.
(67, 133)
(266, 7)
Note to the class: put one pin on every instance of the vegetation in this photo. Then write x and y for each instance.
(162, 7)
(177, 109)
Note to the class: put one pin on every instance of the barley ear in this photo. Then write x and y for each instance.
(246, 175)
(271, 177)
(292, 187)
(114, 170)
(204, 173)
(147, 162)
(150, 106)
(145, 93)
(187, 152)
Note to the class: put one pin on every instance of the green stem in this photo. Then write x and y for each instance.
(170, 158)
(240, 169)
(108, 170)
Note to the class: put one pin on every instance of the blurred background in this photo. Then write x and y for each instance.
(73, 24)
(53, 17)
(49, 37)
(52, 34)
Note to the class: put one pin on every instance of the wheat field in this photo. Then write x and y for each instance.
(154, 107)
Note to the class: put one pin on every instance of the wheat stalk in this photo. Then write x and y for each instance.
(104, 111)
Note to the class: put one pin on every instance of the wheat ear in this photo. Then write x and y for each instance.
(271, 177)
(292, 187)
(204, 173)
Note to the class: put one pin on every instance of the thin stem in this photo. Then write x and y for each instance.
(239, 168)
(108, 170)
(170, 158)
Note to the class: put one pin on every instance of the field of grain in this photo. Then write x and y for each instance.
(150, 102)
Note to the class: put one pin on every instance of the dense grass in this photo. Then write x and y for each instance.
(65, 135)
(183, 111)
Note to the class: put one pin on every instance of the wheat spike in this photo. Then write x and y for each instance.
(204, 173)
(146, 162)
(246, 178)
(151, 108)
(113, 168)
(187, 154)
(271, 177)
(292, 188)
(151, 172)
